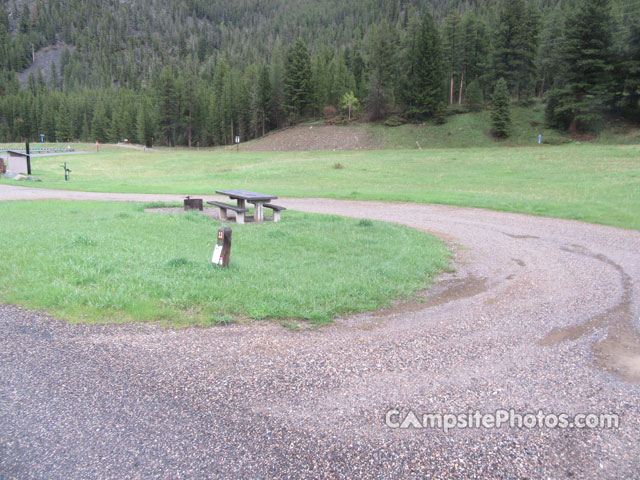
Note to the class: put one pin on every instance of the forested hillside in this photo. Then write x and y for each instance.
(200, 72)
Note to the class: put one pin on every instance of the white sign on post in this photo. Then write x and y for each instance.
(237, 139)
(217, 252)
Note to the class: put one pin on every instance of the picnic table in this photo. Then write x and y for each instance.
(242, 197)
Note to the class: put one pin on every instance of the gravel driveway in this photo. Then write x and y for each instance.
(541, 314)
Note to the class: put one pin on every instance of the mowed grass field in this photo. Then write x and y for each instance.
(113, 262)
(591, 182)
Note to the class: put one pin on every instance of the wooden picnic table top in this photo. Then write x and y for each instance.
(247, 195)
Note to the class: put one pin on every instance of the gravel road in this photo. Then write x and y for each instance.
(541, 314)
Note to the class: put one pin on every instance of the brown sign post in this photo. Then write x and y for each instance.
(222, 251)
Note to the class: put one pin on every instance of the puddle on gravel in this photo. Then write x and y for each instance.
(520, 236)
(443, 292)
(457, 289)
(619, 352)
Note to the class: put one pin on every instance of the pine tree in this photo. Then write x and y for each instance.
(230, 107)
(243, 105)
(342, 80)
(64, 129)
(65, 69)
(356, 65)
(629, 84)
(251, 118)
(264, 98)
(454, 50)
(168, 103)
(54, 76)
(85, 135)
(189, 103)
(476, 48)
(297, 82)
(99, 122)
(25, 19)
(114, 133)
(143, 123)
(320, 81)
(31, 84)
(219, 112)
(500, 115)
(423, 90)
(549, 57)
(210, 130)
(48, 122)
(382, 64)
(40, 80)
(32, 118)
(585, 90)
(515, 46)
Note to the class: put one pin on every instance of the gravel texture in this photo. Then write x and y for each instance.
(541, 314)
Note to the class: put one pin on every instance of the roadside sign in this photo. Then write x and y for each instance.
(222, 250)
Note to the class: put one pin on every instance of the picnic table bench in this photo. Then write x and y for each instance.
(276, 210)
(240, 211)
(242, 197)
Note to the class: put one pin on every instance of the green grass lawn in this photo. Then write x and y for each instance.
(591, 182)
(469, 130)
(112, 262)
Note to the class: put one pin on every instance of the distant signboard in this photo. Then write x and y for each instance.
(18, 162)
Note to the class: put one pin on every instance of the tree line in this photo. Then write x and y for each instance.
(205, 73)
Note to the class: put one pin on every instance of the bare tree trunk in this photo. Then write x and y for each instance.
(573, 126)
(461, 85)
(451, 96)
(190, 130)
(544, 76)
(378, 104)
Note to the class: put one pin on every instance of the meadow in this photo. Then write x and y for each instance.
(597, 183)
(105, 262)
(114, 262)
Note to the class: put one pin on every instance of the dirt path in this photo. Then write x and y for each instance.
(131, 146)
(314, 137)
(542, 314)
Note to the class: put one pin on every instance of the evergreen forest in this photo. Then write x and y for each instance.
(201, 72)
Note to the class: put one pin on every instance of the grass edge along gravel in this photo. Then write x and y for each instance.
(110, 262)
(592, 183)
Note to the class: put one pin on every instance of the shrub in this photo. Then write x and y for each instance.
(555, 140)
(329, 112)
(457, 110)
(394, 121)
(475, 98)
(440, 116)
